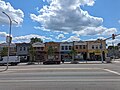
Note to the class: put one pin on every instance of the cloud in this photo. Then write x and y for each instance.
(115, 41)
(96, 31)
(15, 14)
(3, 34)
(28, 37)
(72, 38)
(77, 2)
(41, 28)
(109, 42)
(2, 42)
(60, 36)
(67, 16)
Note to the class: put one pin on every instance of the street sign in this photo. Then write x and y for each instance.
(8, 39)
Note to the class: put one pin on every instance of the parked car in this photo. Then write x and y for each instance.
(51, 62)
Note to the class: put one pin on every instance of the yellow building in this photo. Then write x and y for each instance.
(96, 48)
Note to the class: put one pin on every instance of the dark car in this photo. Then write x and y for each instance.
(51, 62)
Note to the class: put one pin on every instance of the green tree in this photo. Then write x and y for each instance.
(50, 53)
(73, 53)
(4, 51)
(32, 52)
(34, 40)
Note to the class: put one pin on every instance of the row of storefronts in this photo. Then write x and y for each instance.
(83, 50)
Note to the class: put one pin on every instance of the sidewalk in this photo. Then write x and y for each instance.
(87, 62)
(116, 60)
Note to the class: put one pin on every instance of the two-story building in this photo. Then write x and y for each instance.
(81, 49)
(12, 48)
(65, 49)
(53, 48)
(96, 48)
(40, 54)
(22, 50)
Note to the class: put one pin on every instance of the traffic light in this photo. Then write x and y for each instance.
(113, 36)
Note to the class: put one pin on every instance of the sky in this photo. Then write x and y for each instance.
(60, 20)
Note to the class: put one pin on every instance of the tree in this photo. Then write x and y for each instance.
(4, 51)
(32, 52)
(73, 53)
(50, 53)
(34, 40)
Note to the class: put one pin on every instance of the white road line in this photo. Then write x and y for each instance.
(56, 69)
(81, 80)
(117, 73)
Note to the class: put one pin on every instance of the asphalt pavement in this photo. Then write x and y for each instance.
(61, 77)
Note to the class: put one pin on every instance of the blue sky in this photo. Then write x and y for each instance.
(60, 20)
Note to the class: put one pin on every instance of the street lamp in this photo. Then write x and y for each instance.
(9, 38)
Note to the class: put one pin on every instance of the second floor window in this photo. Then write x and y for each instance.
(96, 47)
(20, 48)
(24, 48)
(70, 48)
(62, 48)
(80, 46)
(84, 47)
(76, 46)
(92, 46)
(66, 47)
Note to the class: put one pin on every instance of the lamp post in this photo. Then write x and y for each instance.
(9, 38)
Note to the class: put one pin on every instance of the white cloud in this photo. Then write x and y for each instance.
(41, 28)
(60, 36)
(111, 42)
(115, 41)
(2, 42)
(72, 38)
(15, 14)
(3, 34)
(28, 37)
(96, 31)
(67, 16)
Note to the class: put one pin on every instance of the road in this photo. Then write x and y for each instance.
(61, 77)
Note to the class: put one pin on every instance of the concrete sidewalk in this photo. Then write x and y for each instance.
(116, 60)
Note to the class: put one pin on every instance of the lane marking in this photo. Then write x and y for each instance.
(111, 71)
(81, 80)
(56, 69)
